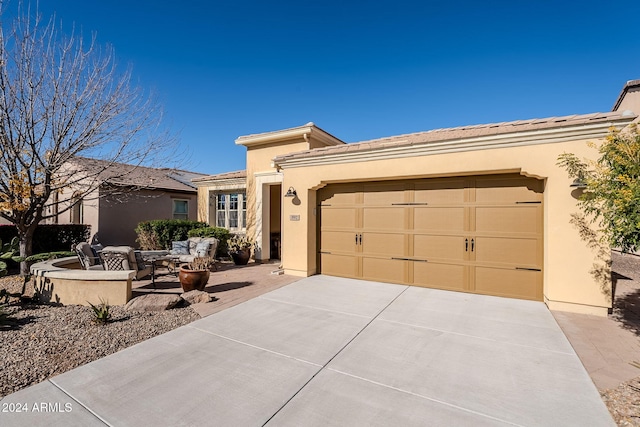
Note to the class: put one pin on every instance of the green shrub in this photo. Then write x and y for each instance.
(222, 234)
(101, 312)
(158, 234)
(51, 237)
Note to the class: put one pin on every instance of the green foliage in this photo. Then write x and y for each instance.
(51, 237)
(158, 234)
(101, 312)
(7, 251)
(612, 195)
(222, 234)
(44, 256)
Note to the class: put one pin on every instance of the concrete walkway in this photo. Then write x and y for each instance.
(330, 351)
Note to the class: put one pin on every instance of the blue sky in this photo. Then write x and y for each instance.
(361, 69)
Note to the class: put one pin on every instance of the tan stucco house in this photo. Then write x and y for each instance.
(480, 209)
(126, 195)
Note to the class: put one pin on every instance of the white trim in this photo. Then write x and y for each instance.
(263, 211)
(301, 132)
(507, 140)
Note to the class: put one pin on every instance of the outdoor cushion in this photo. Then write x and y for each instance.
(86, 255)
(180, 248)
(202, 249)
(193, 242)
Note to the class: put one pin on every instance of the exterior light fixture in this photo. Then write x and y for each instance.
(578, 183)
(291, 192)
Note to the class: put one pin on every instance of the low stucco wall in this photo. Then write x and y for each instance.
(57, 281)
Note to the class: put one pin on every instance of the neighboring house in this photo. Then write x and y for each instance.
(481, 209)
(130, 194)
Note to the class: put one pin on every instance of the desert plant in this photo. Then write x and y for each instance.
(239, 242)
(101, 312)
(200, 263)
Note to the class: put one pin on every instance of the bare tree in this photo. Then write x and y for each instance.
(61, 98)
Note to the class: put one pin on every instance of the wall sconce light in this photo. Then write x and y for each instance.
(291, 192)
(578, 183)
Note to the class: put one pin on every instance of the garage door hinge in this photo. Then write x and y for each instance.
(528, 269)
(531, 203)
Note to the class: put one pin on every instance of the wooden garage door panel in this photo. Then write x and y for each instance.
(441, 191)
(440, 219)
(339, 217)
(338, 241)
(509, 251)
(442, 276)
(426, 222)
(384, 193)
(389, 218)
(386, 244)
(507, 190)
(511, 219)
(339, 194)
(388, 270)
(523, 284)
(339, 265)
(430, 247)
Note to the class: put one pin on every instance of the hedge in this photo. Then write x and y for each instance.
(158, 234)
(51, 237)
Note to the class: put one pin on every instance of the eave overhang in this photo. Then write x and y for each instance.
(304, 133)
(414, 149)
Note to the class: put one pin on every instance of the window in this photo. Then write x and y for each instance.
(221, 210)
(180, 209)
(231, 211)
(77, 210)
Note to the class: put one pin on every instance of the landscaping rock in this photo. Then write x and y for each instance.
(153, 302)
(195, 297)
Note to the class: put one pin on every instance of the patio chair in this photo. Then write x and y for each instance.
(124, 258)
(89, 259)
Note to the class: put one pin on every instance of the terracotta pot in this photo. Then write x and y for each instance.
(193, 279)
(241, 257)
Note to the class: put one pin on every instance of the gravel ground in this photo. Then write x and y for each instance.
(52, 340)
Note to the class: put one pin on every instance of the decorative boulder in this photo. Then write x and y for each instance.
(195, 297)
(153, 302)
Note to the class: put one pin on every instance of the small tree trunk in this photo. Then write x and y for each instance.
(25, 238)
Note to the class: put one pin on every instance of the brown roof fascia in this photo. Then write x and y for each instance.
(629, 85)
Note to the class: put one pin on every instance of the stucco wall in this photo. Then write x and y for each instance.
(631, 101)
(119, 217)
(568, 283)
(259, 160)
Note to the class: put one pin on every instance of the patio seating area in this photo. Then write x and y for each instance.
(229, 285)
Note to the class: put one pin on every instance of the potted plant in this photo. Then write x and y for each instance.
(195, 274)
(240, 249)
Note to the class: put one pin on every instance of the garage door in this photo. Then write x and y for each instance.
(474, 234)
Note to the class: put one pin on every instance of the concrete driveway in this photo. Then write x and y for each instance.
(329, 351)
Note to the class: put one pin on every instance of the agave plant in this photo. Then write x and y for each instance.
(101, 312)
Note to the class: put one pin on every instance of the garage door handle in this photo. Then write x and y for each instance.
(473, 242)
(466, 245)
